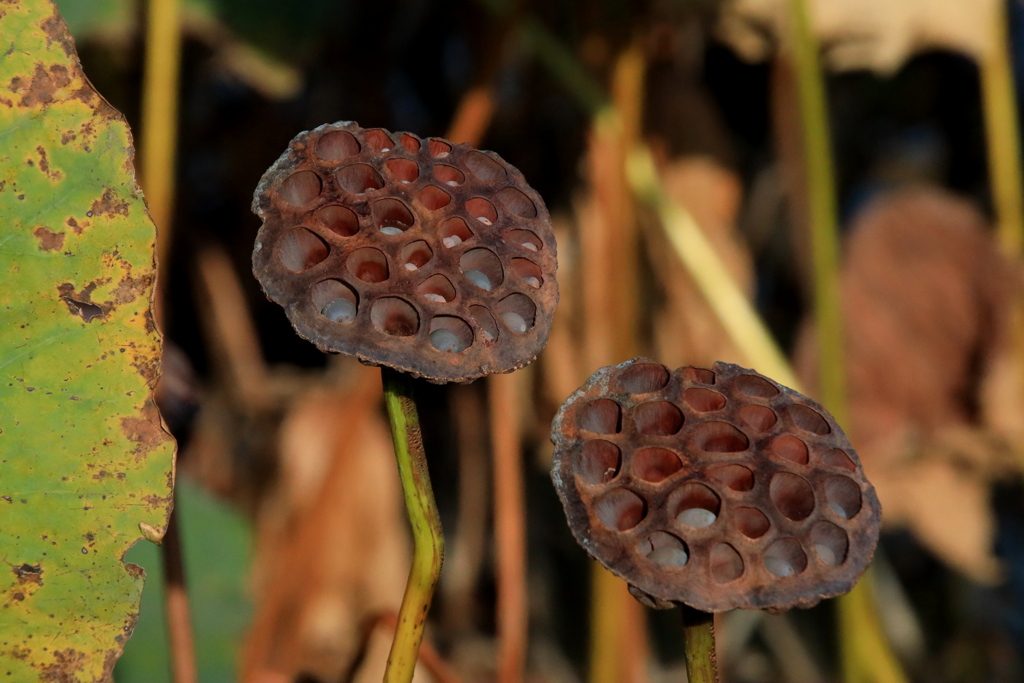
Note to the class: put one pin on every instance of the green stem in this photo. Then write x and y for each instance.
(866, 654)
(428, 541)
(1003, 135)
(699, 637)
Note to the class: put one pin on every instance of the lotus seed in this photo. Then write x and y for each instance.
(445, 340)
(836, 508)
(514, 322)
(340, 310)
(451, 241)
(411, 266)
(431, 296)
(532, 281)
(826, 554)
(479, 279)
(778, 566)
(391, 230)
(698, 518)
(529, 245)
(484, 219)
(669, 556)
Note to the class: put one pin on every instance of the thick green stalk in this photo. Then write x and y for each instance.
(866, 655)
(699, 637)
(428, 541)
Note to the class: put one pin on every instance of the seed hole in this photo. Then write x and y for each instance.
(483, 167)
(755, 386)
(402, 170)
(785, 558)
(450, 334)
(837, 457)
(643, 378)
(518, 313)
(394, 317)
(658, 418)
(736, 477)
(415, 255)
(486, 322)
(620, 509)
(301, 188)
(758, 418)
(378, 139)
(454, 232)
(358, 178)
(699, 375)
(337, 146)
(790, 448)
(338, 219)
(601, 416)
(655, 464)
(410, 143)
(438, 289)
(726, 563)
(482, 268)
(434, 198)
(808, 419)
(482, 210)
(528, 271)
(843, 496)
(335, 300)
(695, 505)
(439, 148)
(599, 461)
(792, 495)
(368, 265)
(664, 549)
(517, 203)
(301, 249)
(391, 216)
(449, 175)
(719, 437)
(526, 239)
(703, 400)
(751, 522)
(830, 543)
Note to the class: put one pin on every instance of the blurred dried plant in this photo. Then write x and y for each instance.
(926, 301)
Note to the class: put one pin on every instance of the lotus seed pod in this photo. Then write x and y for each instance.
(429, 257)
(713, 488)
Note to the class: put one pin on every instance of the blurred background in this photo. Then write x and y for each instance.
(865, 205)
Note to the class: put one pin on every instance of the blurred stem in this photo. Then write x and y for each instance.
(1003, 135)
(866, 655)
(509, 526)
(699, 637)
(822, 207)
(179, 620)
(160, 114)
(428, 541)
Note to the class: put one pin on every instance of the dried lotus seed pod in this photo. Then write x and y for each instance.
(429, 257)
(713, 488)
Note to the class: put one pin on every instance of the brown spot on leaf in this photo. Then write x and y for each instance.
(44, 165)
(129, 288)
(145, 432)
(43, 86)
(73, 224)
(48, 239)
(64, 668)
(109, 205)
(57, 32)
(29, 573)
